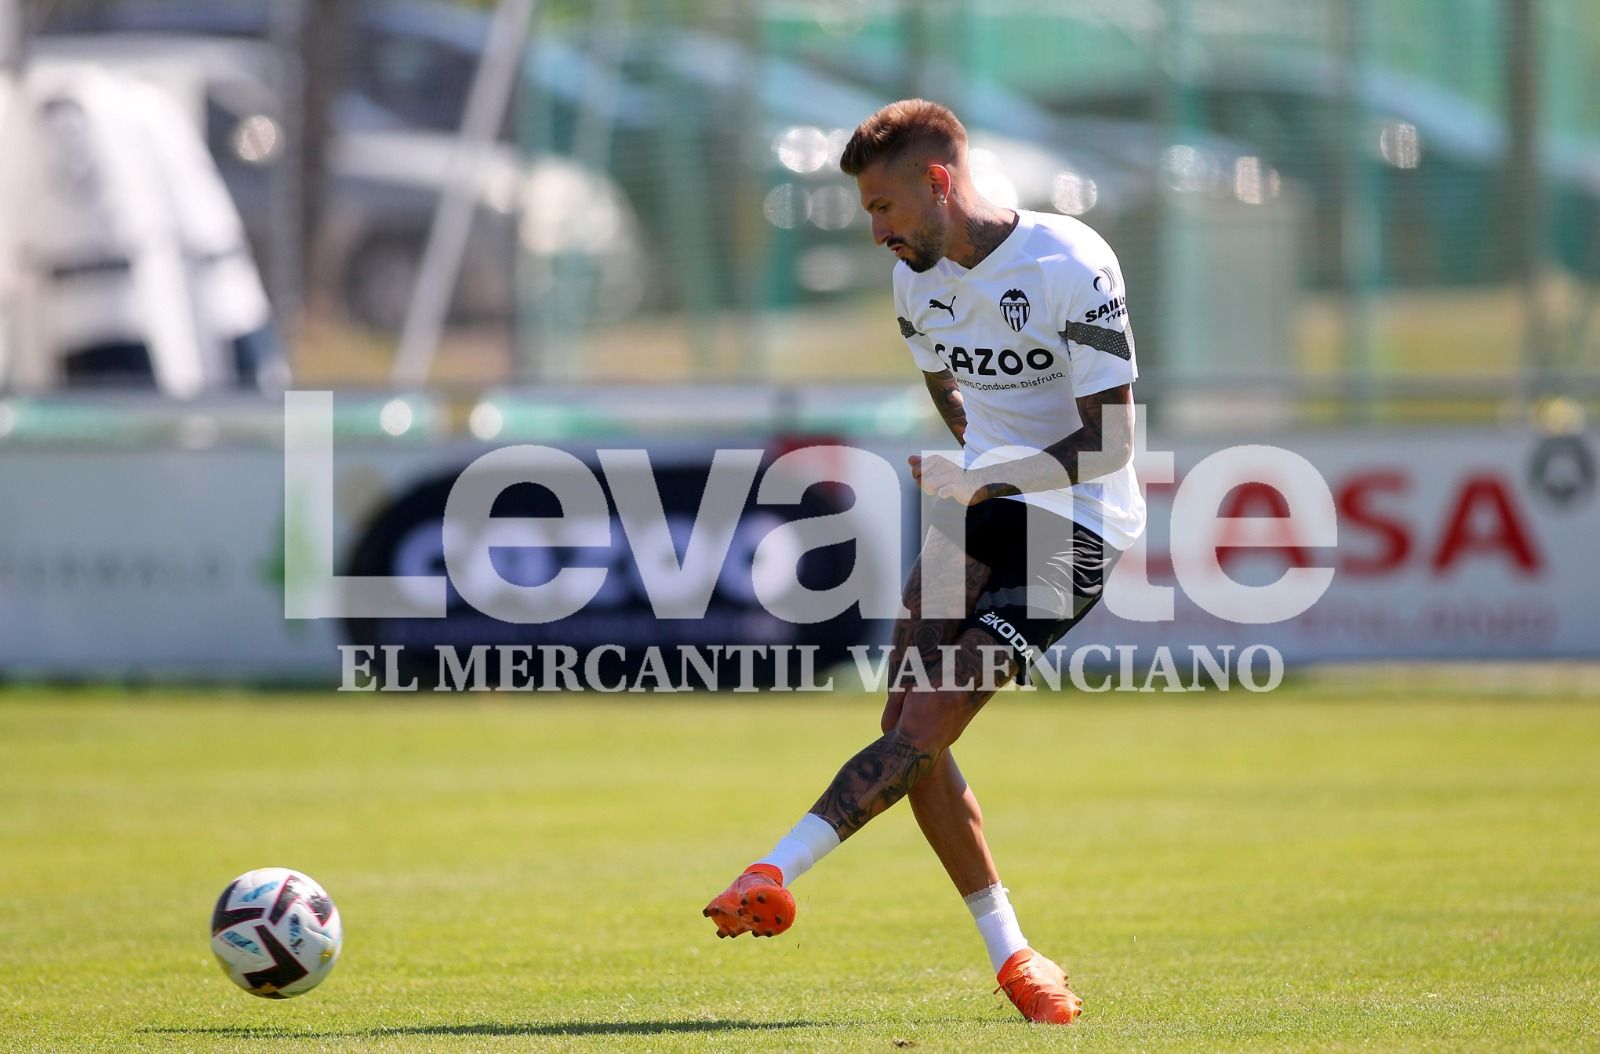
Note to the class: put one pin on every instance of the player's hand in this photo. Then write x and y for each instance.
(943, 478)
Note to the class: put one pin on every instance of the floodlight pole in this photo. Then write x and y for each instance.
(1181, 255)
(569, 291)
(10, 36)
(286, 254)
(10, 71)
(452, 220)
(1524, 204)
(1361, 262)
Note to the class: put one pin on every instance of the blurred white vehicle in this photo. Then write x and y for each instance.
(127, 257)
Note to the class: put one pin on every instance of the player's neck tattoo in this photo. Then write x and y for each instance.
(985, 233)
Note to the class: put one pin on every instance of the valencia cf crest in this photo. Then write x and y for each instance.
(1014, 306)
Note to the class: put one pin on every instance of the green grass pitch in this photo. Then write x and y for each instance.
(1307, 870)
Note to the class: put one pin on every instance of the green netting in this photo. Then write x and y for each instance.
(1299, 191)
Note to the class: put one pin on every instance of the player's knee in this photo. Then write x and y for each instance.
(932, 721)
(891, 711)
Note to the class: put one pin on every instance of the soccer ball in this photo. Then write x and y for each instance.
(276, 932)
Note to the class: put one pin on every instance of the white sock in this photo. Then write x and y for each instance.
(997, 924)
(812, 839)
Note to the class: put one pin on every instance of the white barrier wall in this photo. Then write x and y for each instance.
(1478, 544)
(158, 562)
(169, 562)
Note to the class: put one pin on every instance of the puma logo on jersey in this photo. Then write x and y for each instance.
(950, 307)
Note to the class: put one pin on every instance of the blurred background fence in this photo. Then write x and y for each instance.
(1334, 210)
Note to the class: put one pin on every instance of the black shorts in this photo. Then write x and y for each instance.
(1045, 574)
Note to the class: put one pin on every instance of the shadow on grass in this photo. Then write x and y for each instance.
(493, 1028)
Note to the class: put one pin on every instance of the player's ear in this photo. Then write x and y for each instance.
(939, 181)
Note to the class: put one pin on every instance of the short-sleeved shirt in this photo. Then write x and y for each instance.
(1040, 321)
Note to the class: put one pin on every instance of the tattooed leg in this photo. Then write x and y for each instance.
(876, 778)
(945, 807)
(888, 769)
(928, 722)
(918, 727)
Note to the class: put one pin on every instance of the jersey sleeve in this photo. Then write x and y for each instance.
(921, 347)
(1092, 308)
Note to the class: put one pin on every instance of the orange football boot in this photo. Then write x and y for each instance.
(756, 903)
(1038, 988)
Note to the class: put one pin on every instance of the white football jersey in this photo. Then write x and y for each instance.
(1038, 322)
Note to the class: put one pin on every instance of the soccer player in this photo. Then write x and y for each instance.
(1019, 324)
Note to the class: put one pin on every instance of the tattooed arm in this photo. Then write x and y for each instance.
(1101, 446)
(946, 396)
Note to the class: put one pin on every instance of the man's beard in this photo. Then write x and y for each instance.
(927, 249)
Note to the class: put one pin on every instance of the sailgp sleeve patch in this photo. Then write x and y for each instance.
(1110, 341)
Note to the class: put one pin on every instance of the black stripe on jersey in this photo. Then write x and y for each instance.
(1109, 341)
